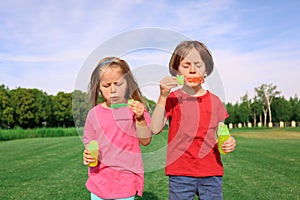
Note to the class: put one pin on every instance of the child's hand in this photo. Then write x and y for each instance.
(87, 158)
(229, 145)
(166, 84)
(137, 108)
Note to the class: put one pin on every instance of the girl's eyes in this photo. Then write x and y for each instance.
(119, 83)
(109, 84)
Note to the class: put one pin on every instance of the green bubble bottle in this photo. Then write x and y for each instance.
(223, 135)
(94, 150)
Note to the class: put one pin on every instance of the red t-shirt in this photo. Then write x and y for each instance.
(192, 148)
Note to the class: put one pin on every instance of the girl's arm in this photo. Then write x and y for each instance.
(158, 119)
(143, 130)
(87, 158)
(88, 135)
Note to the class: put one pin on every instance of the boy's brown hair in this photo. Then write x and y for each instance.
(183, 48)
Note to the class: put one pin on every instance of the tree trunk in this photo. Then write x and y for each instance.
(265, 117)
(260, 118)
(270, 114)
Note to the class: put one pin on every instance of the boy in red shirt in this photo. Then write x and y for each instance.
(193, 161)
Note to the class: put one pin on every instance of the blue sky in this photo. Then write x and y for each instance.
(46, 44)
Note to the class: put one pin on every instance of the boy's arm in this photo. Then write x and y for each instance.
(158, 118)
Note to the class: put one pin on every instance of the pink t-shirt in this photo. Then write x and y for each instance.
(120, 172)
(192, 148)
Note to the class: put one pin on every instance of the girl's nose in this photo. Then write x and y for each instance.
(112, 88)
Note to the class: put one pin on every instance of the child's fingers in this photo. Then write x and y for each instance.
(168, 82)
(87, 158)
(228, 149)
(229, 145)
(86, 163)
(137, 108)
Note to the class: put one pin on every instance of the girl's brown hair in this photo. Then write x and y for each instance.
(133, 90)
(183, 49)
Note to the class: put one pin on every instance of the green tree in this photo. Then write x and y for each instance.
(232, 114)
(6, 111)
(266, 93)
(23, 103)
(80, 106)
(295, 106)
(256, 109)
(62, 109)
(245, 108)
(42, 107)
(150, 105)
(281, 109)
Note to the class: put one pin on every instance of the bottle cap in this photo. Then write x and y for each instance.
(223, 129)
(93, 145)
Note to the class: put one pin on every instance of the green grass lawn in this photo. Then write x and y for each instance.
(265, 165)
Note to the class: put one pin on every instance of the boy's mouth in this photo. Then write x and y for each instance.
(195, 80)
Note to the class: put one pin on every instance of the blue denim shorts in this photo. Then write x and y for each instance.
(186, 187)
(95, 197)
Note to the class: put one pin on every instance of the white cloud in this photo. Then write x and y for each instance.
(242, 72)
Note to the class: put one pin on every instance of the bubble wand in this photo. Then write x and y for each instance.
(181, 79)
(119, 105)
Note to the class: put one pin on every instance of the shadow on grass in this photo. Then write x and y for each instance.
(147, 196)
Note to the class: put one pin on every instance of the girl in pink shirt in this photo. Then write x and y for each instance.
(119, 131)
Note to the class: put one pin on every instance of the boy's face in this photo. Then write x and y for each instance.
(113, 86)
(192, 66)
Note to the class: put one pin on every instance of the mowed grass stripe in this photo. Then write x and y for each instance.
(263, 169)
(42, 168)
(51, 168)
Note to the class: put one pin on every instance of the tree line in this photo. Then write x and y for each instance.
(267, 106)
(31, 108)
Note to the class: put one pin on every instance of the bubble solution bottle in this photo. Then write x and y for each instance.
(94, 150)
(223, 135)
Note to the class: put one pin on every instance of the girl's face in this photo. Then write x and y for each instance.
(192, 66)
(113, 86)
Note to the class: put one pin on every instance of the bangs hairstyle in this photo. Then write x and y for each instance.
(132, 90)
(183, 49)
